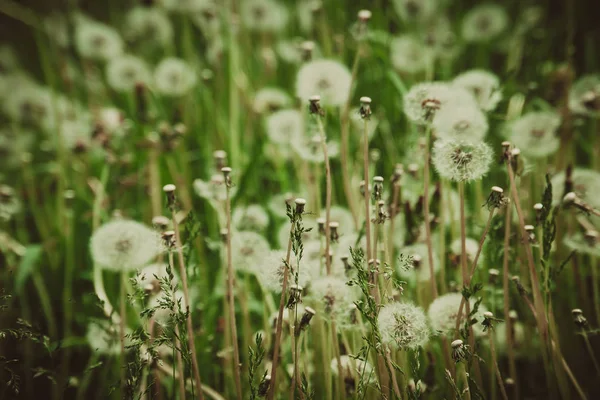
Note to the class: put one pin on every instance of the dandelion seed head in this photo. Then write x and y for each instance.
(124, 244)
(103, 337)
(250, 218)
(584, 97)
(123, 73)
(174, 77)
(97, 41)
(585, 185)
(409, 55)
(472, 246)
(438, 36)
(443, 312)
(460, 123)
(413, 11)
(352, 367)
(310, 149)
(483, 85)
(332, 298)
(268, 16)
(484, 22)
(328, 78)
(535, 134)
(150, 276)
(460, 160)
(424, 100)
(148, 26)
(248, 249)
(284, 126)
(270, 271)
(403, 325)
(270, 99)
(583, 243)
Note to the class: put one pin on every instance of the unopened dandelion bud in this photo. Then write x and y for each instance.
(220, 157)
(224, 233)
(169, 239)
(315, 105)
(295, 296)
(263, 387)
(413, 169)
(459, 350)
(496, 198)
(307, 49)
(377, 188)
(170, 192)
(160, 223)
(309, 313)
(365, 107)
(579, 319)
(333, 231)
(493, 275)
(591, 237)
(227, 175)
(321, 225)
(300, 204)
(364, 15)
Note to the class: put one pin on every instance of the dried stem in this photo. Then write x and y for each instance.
(426, 199)
(278, 328)
(186, 299)
(231, 300)
(367, 196)
(495, 364)
(394, 380)
(508, 324)
(327, 196)
(122, 322)
(178, 357)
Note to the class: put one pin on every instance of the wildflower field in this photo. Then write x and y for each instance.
(311, 199)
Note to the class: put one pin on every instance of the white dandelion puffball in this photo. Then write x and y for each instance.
(443, 312)
(75, 133)
(124, 72)
(460, 160)
(183, 6)
(471, 245)
(270, 99)
(310, 149)
(408, 54)
(353, 367)
(424, 100)
(112, 121)
(148, 25)
(585, 184)
(536, 134)
(584, 97)
(123, 244)
(248, 249)
(420, 267)
(581, 244)
(206, 17)
(29, 104)
(214, 190)
(438, 36)
(250, 218)
(264, 15)
(149, 277)
(483, 85)
(284, 126)
(484, 23)
(271, 269)
(162, 314)
(103, 338)
(415, 10)
(461, 123)
(403, 325)
(327, 78)
(97, 41)
(283, 234)
(332, 297)
(174, 77)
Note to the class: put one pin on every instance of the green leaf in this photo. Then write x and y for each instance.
(27, 266)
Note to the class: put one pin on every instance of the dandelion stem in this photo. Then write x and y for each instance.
(230, 296)
(327, 195)
(591, 352)
(278, 329)
(122, 323)
(178, 350)
(495, 364)
(434, 292)
(394, 380)
(367, 196)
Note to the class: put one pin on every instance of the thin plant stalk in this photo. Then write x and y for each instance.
(327, 195)
(278, 328)
(512, 367)
(178, 357)
(589, 349)
(367, 196)
(434, 291)
(495, 365)
(122, 323)
(336, 352)
(186, 298)
(231, 302)
(394, 380)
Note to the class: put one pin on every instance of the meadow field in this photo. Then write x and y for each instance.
(311, 199)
